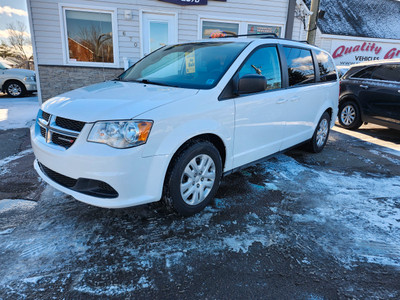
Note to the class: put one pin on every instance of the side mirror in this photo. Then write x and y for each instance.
(251, 83)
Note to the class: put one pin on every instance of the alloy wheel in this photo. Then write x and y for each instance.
(348, 115)
(14, 89)
(197, 179)
(322, 132)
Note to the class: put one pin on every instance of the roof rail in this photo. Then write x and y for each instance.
(270, 35)
(231, 35)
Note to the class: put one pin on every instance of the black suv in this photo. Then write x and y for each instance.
(370, 92)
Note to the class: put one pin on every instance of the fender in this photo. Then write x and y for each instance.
(180, 135)
(326, 106)
(350, 96)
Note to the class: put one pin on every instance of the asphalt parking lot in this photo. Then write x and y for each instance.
(297, 226)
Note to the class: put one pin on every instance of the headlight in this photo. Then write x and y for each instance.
(30, 78)
(121, 134)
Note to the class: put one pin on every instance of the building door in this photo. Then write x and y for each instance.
(157, 30)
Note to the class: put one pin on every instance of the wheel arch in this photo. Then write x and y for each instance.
(351, 97)
(210, 137)
(5, 83)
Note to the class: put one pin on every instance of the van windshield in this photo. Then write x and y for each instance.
(192, 65)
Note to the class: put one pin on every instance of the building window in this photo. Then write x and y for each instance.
(89, 37)
(217, 29)
(214, 29)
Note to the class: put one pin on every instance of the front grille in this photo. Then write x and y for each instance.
(43, 132)
(45, 116)
(62, 140)
(70, 124)
(85, 186)
(59, 131)
(59, 178)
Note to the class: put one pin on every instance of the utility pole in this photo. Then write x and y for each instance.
(312, 25)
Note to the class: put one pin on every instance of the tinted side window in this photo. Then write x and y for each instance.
(387, 72)
(364, 73)
(326, 67)
(300, 66)
(264, 62)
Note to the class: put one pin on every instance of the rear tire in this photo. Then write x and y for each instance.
(349, 115)
(15, 89)
(321, 134)
(193, 178)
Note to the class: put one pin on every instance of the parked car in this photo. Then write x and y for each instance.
(16, 82)
(171, 125)
(342, 70)
(370, 92)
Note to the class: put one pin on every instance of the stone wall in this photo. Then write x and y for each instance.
(55, 80)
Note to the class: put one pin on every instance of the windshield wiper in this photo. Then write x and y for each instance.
(146, 81)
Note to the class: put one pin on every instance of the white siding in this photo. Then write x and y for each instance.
(48, 36)
(299, 33)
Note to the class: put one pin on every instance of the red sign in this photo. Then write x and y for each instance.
(350, 52)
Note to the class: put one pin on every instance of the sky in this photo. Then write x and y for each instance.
(12, 11)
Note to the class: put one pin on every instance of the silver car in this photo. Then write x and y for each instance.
(16, 82)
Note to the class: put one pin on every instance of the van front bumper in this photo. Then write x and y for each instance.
(98, 174)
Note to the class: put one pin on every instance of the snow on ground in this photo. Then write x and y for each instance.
(5, 161)
(17, 112)
(353, 219)
(362, 212)
(390, 147)
(10, 204)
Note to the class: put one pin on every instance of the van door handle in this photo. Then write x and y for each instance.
(280, 101)
(294, 99)
(363, 86)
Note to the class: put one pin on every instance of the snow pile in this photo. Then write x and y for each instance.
(18, 112)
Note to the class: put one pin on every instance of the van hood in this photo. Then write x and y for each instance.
(113, 100)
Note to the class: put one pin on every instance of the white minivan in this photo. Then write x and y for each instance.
(174, 123)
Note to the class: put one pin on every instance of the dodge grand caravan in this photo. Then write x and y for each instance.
(171, 125)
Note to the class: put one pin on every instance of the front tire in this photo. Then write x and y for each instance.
(193, 178)
(349, 115)
(321, 134)
(15, 89)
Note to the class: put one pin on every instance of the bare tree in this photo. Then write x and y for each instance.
(100, 43)
(18, 39)
(6, 50)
